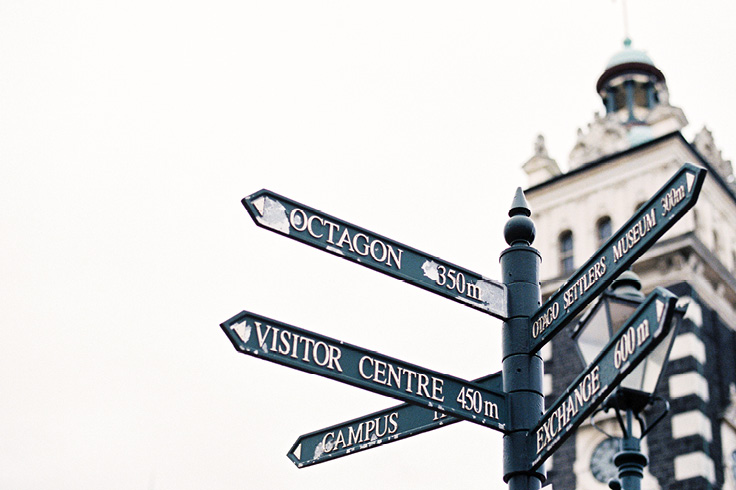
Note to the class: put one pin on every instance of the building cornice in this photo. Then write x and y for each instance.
(694, 254)
(609, 159)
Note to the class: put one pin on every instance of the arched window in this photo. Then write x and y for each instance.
(603, 229)
(566, 253)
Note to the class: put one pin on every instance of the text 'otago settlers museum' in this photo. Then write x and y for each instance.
(627, 242)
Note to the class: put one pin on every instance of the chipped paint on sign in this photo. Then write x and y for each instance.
(335, 250)
(490, 295)
(273, 214)
(319, 450)
(430, 270)
(243, 330)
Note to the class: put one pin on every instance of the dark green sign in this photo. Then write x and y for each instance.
(325, 232)
(650, 222)
(646, 328)
(374, 430)
(301, 349)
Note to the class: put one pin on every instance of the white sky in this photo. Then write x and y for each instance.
(129, 132)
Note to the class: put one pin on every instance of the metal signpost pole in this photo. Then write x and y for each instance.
(522, 371)
(630, 461)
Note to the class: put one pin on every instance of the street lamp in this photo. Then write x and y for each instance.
(636, 391)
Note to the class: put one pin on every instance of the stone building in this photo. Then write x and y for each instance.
(619, 161)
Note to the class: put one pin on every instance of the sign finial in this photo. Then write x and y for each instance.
(519, 206)
(520, 228)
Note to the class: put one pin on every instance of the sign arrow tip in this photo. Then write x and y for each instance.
(258, 204)
(660, 309)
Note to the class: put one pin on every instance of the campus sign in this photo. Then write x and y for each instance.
(375, 429)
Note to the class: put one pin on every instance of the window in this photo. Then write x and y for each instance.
(603, 229)
(566, 253)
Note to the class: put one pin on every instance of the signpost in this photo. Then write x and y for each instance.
(511, 401)
(301, 349)
(647, 327)
(374, 430)
(650, 222)
(325, 232)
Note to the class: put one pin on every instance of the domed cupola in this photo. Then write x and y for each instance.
(631, 86)
(638, 110)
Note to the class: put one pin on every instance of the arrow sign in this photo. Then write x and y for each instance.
(301, 349)
(646, 328)
(374, 430)
(650, 222)
(325, 232)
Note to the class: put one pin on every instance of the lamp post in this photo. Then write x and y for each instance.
(636, 391)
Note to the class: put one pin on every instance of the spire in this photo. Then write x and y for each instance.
(626, 22)
(540, 167)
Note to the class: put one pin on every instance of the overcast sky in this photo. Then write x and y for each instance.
(129, 132)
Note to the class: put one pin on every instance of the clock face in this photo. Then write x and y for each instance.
(601, 462)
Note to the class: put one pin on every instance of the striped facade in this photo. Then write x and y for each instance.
(694, 447)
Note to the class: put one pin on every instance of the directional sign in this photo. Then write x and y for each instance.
(322, 231)
(374, 430)
(301, 349)
(650, 222)
(646, 328)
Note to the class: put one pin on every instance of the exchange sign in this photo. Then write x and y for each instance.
(647, 327)
(325, 232)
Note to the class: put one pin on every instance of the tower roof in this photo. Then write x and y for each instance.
(629, 55)
(629, 60)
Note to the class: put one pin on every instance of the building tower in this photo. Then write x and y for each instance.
(617, 163)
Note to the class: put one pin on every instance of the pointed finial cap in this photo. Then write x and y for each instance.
(519, 206)
(519, 228)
